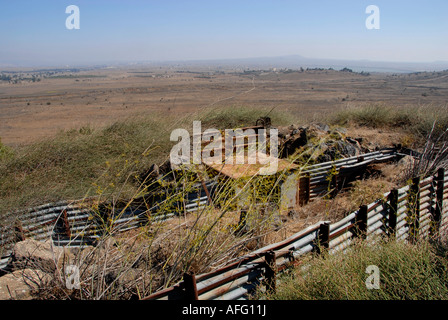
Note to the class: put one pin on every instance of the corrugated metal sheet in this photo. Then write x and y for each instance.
(76, 224)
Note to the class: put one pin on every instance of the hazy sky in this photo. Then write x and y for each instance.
(34, 32)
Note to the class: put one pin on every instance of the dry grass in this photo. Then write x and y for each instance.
(434, 154)
(139, 262)
(416, 120)
(89, 162)
(406, 272)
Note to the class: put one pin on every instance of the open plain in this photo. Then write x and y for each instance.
(63, 100)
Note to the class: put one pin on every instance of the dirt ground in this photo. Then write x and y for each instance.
(34, 110)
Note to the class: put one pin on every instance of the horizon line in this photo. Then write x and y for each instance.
(216, 60)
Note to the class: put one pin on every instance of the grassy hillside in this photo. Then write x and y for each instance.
(91, 161)
(102, 161)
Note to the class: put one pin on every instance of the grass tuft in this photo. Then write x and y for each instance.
(407, 272)
(418, 120)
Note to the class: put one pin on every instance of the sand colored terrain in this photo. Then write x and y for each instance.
(33, 110)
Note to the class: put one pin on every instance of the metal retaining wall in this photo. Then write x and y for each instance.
(331, 177)
(76, 223)
(416, 211)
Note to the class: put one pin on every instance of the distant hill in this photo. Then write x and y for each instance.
(297, 61)
(290, 61)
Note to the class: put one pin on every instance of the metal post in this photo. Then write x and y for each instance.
(393, 209)
(270, 271)
(360, 230)
(191, 290)
(334, 185)
(437, 216)
(66, 223)
(323, 238)
(414, 209)
(305, 183)
(301, 191)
